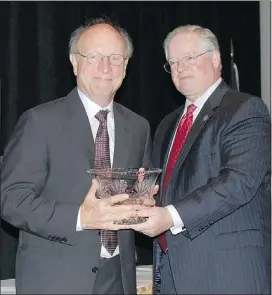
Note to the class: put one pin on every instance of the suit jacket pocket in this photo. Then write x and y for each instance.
(238, 239)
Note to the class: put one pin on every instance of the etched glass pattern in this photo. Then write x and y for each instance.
(137, 184)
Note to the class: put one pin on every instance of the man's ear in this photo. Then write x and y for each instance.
(125, 68)
(73, 61)
(216, 59)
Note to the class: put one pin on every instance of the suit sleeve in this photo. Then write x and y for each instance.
(23, 175)
(245, 162)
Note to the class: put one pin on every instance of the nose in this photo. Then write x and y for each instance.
(105, 65)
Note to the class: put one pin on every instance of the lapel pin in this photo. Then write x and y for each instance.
(205, 118)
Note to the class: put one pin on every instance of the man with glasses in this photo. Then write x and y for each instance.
(212, 227)
(68, 242)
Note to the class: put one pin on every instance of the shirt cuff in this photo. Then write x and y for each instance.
(178, 224)
(78, 225)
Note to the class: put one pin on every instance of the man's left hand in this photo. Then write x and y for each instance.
(159, 221)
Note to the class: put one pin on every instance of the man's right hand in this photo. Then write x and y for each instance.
(101, 213)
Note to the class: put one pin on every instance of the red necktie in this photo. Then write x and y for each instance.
(180, 137)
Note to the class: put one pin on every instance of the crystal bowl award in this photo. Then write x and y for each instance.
(137, 183)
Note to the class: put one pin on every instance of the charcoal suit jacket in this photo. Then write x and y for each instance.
(220, 187)
(43, 183)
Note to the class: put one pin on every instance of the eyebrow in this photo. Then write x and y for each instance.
(187, 54)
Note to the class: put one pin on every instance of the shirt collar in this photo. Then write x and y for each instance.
(91, 107)
(204, 97)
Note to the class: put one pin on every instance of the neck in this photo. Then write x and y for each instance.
(101, 100)
(192, 98)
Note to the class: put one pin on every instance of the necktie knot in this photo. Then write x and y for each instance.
(101, 116)
(190, 109)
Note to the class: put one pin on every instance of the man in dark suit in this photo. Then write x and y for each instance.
(213, 226)
(45, 189)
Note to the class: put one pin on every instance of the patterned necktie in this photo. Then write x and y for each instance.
(180, 137)
(102, 160)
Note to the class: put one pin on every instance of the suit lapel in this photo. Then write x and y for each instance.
(122, 140)
(80, 130)
(169, 136)
(79, 127)
(166, 145)
(202, 119)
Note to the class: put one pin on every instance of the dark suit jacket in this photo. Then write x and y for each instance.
(220, 186)
(43, 183)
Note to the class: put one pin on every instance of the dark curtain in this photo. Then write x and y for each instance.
(35, 67)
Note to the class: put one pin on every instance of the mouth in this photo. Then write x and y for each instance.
(103, 79)
(184, 77)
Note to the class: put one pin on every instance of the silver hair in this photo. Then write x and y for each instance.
(209, 40)
(76, 34)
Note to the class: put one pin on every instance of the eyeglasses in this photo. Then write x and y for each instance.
(189, 60)
(96, 58)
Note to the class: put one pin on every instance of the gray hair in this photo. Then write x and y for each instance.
(209, 40)
(76, 34)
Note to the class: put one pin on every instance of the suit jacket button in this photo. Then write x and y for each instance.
(94, 269)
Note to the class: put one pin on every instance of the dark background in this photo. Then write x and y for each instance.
(35, 68)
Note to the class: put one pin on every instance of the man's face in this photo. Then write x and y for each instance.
(99, 80)
(192, 77)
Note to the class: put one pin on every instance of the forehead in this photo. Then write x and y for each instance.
(102, 38)
(184, 43)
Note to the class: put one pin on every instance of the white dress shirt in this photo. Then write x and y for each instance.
(178, 224)
(92, 109)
